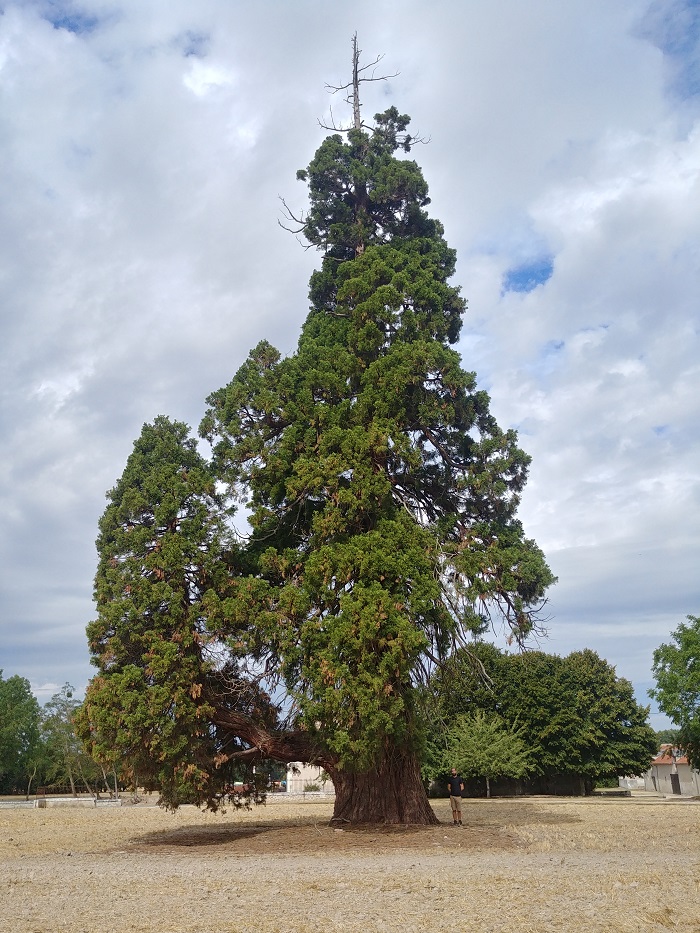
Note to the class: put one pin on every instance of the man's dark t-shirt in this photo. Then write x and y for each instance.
(453, 783)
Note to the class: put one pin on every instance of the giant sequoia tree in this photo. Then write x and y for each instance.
(382, 500)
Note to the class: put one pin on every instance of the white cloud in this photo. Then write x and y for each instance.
(205, 78)
(144, 149)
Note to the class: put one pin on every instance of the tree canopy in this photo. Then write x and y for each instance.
(65, 761)
(676, 670)
(578, 718)
(20, 718)
(381, 497)
(481, 745)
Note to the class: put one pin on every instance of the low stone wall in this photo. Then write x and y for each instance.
(76, 802)
(301, 796)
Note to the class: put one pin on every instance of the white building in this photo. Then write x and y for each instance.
(670, 773)
(301, 777)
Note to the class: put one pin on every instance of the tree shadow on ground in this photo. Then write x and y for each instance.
(512, 812)
(486, 828)
(186, 836)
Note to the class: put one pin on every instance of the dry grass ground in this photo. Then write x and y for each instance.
(535, 865)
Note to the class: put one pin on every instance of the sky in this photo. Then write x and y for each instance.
(144, 150)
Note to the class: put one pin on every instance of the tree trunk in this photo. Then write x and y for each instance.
(356, 118)
(390, 792)
(85, 781)
(29, 783)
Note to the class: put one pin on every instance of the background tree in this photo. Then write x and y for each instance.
(20, 738)
(666, 737)
(382, 499)
(579, 719)
(482, 745)
(676, 670)
(66, 760)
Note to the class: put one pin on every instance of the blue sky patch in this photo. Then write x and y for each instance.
(528, 275)
(64, 14)
(76, 22)
(673, 26)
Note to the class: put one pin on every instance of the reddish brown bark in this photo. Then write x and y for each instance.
(265, 742)
(391, 792)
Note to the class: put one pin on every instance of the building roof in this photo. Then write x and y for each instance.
(668, 754)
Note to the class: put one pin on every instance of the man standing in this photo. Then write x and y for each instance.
(456, 786)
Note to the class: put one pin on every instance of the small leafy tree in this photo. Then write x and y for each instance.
(483, 745)
(67, 762)
(676, 670)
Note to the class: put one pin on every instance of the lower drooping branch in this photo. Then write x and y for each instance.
(266, 742)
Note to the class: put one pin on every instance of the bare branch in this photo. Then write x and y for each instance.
(296, 220)
(353, 87)
(299, 221)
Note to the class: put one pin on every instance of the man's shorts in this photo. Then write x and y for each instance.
(455, 803)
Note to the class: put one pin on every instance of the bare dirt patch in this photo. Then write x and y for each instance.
(518, 866)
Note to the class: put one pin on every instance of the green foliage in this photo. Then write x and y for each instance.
(66, 762)
(382, 498)
(481, 744)
(361, 195)
(666, 737)
(20, 740)
(676, 670)
(382, 492)
(577, 716)
(163, 575)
